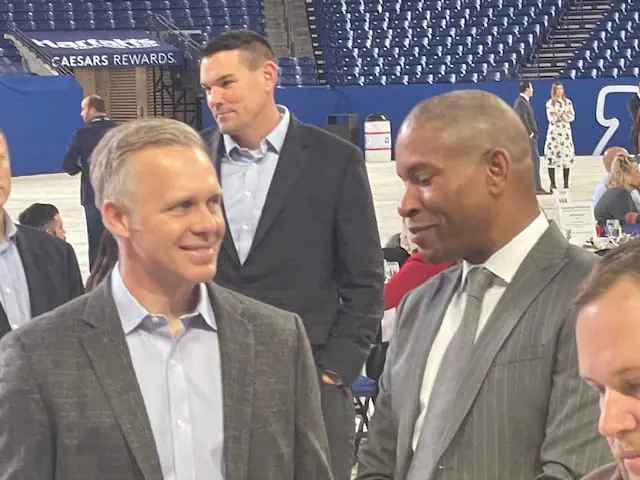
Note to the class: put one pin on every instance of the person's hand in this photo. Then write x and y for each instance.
(630, 217)
(331, 379)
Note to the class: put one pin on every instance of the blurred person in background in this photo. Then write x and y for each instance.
(45, 217)
(38, 272)
(608, 338)
(559, 151)
(77, 160)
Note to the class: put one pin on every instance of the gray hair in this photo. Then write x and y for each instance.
(111, 160)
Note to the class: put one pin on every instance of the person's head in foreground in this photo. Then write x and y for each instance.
(608, 338)
(465, 160)
(45, 217)
(160, 198)
(610, 154)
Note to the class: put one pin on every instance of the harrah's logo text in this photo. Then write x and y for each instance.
(116, 43)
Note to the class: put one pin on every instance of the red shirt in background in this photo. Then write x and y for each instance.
(414, 271)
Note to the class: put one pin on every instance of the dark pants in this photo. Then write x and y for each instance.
(535, 158)
(94, 231)
(339, 419)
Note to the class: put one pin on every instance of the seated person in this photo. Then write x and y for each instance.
(616, 202)
(44, 217)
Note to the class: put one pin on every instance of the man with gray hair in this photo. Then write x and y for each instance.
(158, 373)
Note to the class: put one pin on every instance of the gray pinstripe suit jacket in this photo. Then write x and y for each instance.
(522, 412)
(71, 407)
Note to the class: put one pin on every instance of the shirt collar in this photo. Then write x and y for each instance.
(132, 314)
(524, 96)
(10, 228)
(505, 262)
(273, 141)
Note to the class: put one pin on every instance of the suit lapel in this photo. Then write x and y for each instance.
(539, 267)
(215, 146)
(108, 353)
(430, 315)
(4, 322)
(237, 363)
(291, 161)
(31, 257)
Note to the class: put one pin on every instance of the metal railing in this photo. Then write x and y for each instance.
(291, 43)
(40, 53)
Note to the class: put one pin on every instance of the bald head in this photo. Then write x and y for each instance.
(610, 154)
(472, 119)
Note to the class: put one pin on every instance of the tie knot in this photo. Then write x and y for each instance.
(478, 282)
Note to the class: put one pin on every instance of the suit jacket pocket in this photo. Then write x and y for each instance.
(525, 353)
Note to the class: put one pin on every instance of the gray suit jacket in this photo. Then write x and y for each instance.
(71, 407)
(316, 251)
(525, 111)
(522, 411)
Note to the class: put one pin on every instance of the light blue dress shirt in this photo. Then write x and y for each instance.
(181, 383)
(14, 289)
(246, 177)
(602, 187)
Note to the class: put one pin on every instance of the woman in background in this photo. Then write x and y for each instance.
(616, 202)
(559, 151)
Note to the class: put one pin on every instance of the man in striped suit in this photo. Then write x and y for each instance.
(481, 380)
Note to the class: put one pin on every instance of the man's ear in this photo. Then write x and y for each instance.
(117, 219)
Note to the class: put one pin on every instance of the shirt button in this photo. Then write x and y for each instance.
(8, 290)
(248, 194)
(181, 423)
(173, 363)
(245, 227)
(14, 326)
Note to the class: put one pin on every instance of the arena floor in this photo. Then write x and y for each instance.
(63, 191)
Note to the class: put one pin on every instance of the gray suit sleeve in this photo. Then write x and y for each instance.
(572, 445)
(26, 444)
(377, 455)
(312, 447)
(361, 275)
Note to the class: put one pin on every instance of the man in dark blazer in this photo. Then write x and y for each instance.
(523, 108)
(76, 160)
(38, 272)
(159, 373)
(302, 230)
(482, 383)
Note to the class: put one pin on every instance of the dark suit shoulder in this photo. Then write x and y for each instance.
(208, 133)
(32, 237)
(322, 139)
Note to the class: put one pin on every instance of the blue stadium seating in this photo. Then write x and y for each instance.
(211, 17)
(613, 49)
(442, 41)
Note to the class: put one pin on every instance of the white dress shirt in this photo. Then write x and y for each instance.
(503, 264)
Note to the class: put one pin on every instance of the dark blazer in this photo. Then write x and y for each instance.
(522, 411)
(71, 407)
(525, 111)
(316, 250)
(614, 204)
(52, 272)
(76, 160)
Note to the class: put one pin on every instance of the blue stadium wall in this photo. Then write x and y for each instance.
(40, 114)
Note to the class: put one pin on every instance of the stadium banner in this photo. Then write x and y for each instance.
(602, 118)
(106, 48)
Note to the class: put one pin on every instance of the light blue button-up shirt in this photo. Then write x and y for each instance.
(246, 177)
(181, 383)
(14, 289)
(602, 187)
